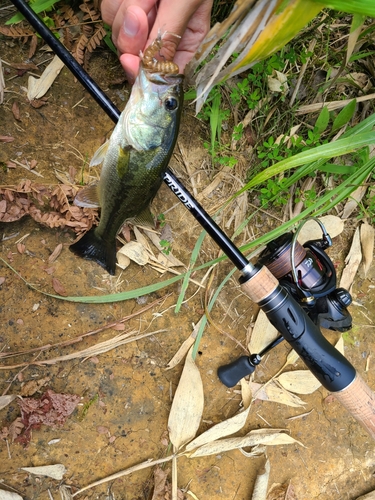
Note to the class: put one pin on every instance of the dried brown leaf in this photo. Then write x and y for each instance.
(160, 486)
(16, 428)
(55, 471)
(21, 247)
(187, 407)
(37, 103)
(367, 245)
(261, 483)
(16, 111)
(5, 400)
(33, 386)
(352, 261)
(9, 495)
(58, 287)
(282, 492)
(96, 38)
(79, 49)
(51, 409)
(16, 31)
(55, 253)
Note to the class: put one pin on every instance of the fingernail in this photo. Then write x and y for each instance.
(131, 24)
(130, 77)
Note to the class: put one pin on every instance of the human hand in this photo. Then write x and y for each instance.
(136, 23)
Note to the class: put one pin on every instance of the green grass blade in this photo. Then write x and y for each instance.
(38, 6)
(326, 151)
(193, 260)
(365, 7)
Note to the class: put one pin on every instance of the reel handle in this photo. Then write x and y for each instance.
(326, 363)
(232, 373)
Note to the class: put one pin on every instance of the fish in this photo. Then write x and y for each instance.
(134, 158)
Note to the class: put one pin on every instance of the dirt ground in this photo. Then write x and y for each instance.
(126, 392)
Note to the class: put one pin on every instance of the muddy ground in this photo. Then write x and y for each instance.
(126, 392)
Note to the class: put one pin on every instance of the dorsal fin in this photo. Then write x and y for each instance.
(99, 154)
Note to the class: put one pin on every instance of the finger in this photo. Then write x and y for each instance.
(130, 63)
(130, 25)
(109, 10)
(189, 20)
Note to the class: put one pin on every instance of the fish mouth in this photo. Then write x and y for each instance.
(161, 78)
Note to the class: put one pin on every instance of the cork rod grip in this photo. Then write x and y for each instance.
(359, 400)
(260, 286)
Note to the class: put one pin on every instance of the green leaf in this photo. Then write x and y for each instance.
(322, 121)
(330, 150)
(344, 116)
(365, 7)
(38, 6)
(338, 169)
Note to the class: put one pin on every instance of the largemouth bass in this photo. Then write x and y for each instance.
(134, 158)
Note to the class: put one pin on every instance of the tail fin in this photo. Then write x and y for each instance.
(92, 247)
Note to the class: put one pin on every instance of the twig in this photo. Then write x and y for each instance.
(27, 168)
(81, 337)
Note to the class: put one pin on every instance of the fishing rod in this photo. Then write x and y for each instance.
(261, 285)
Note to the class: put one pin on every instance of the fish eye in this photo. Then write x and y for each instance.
(170, 103)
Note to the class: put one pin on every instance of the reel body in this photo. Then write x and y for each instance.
(308, 275)
(311, 281)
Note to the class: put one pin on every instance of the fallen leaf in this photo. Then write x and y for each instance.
(262, 334)
(37, 87)
(21, 247)
(299, 381)
(311, 230)
(220, 430)
(136, 252)
(282, 492)
(160, 487)
(25, 66)
(278, 82)
(367, 245)
(187, 406)
(272, 392)
(33, 386)
(353, 201)
(55, 253)
(5, 400)
(123, 261)
(38, 103)
(102, 430)
(16, 111)
(58, 287)
(65, 492)
(368, 496)
(56, 471)
(352, 261)
(16, 428)
(261, 483)
(50, 409)
(9, 495)
(268, 437)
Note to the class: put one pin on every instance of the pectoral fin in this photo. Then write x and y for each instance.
(88, 197)
(145, 218)
(99, 154)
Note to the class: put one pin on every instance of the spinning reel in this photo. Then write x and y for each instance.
(307, 273)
